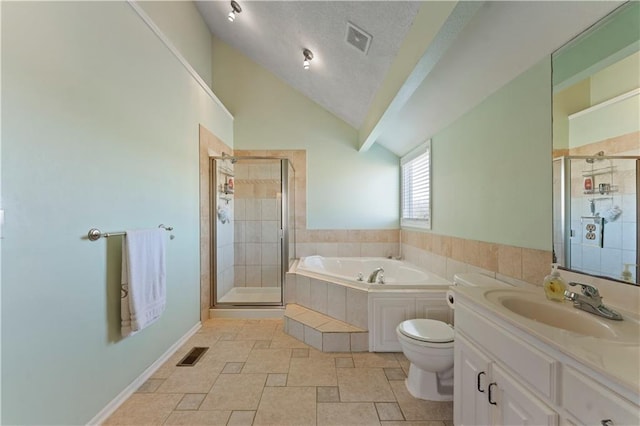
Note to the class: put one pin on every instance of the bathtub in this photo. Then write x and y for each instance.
(397, 274)
(330, 285)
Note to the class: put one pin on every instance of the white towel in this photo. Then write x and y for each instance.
(143, 297)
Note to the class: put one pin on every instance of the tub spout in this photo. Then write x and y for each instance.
(373, 277)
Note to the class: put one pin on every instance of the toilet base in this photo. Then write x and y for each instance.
(430, 386)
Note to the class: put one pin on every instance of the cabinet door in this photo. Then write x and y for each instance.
(512, 404)
(434, 308)
(591, 403)
(387, 314)
(471, 379)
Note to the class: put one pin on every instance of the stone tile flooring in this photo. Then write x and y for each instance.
(255, 374)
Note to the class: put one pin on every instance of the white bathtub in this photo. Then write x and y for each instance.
(397, 274)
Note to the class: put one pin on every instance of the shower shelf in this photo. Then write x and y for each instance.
(227, 172)
(596, 172)
(611, 191)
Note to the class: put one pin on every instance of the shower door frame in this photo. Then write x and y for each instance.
(283, 232)
(565, 209)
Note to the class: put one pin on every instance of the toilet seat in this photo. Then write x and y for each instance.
(427, 331)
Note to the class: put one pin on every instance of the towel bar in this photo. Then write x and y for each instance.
(95, 234)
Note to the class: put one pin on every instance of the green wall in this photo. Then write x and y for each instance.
(99, 129)
(345, 189)
(616, 34)
(492, 167)
(182, 23)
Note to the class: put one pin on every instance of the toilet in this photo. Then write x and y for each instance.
(428, 345)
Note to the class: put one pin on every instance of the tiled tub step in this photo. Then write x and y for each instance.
(323, 332)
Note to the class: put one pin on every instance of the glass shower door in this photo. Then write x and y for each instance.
(248, 263)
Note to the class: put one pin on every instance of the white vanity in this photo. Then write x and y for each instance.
(521, 359)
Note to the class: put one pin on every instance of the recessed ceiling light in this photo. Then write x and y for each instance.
(308, 56)
(235, 8)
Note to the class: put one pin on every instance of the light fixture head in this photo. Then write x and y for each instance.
(308, 56)
(235, 8)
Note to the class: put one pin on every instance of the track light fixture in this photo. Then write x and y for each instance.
(235, 8)
(308, 56)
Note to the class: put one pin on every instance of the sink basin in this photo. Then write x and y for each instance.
(538, 309)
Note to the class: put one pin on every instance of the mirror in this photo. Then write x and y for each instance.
(596, 148)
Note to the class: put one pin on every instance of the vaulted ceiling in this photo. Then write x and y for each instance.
(424, 67)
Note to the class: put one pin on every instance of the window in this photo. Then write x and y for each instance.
(415, 190)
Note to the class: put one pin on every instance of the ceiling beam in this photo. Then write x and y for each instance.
(434, 30)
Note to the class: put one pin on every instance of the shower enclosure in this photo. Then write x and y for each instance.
(595, 214)
(252, 224)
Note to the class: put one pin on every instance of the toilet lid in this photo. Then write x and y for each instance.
(427, 330)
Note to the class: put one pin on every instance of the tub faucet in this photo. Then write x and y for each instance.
(590, 301)
(373, 277)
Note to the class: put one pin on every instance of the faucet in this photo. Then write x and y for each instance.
(590, 301)
(373, 277)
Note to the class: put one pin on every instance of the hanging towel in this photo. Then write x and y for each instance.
(143, 296)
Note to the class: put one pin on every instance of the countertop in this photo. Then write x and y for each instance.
(616, 360)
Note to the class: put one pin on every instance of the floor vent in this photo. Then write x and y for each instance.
(192, 357)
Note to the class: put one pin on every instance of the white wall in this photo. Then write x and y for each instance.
(100, 129)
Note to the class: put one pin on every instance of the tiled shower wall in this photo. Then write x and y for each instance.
(619, 235)
(620, 244)
(256, 214)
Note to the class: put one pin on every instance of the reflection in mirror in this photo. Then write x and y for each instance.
(596, 148)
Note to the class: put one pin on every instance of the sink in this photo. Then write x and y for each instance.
(536, 308)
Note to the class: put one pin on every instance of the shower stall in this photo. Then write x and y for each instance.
(253, 230)
(595, 214)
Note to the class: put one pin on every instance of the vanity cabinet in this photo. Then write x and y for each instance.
(591, 403)
(471, 378)
(503, 376)
(513, 404)
(490, 395)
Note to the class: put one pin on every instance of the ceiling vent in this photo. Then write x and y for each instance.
(358, 38)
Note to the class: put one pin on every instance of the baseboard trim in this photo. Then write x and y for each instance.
(112, 406)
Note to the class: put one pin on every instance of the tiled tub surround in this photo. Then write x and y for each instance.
(518, 266)
(329, 297)
(356, 271)
(447, 256)
(347, 242)
(369, 308)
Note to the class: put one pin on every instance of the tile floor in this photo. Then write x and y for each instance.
(255, 374)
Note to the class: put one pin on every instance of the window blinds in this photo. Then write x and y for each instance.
(416, 187)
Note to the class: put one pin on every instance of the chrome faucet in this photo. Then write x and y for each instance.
(373, 277)
(590, 301)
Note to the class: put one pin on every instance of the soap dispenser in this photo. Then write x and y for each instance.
(554, 286)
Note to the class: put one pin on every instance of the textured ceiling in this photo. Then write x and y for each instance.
(341, 78)
(501, 40)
